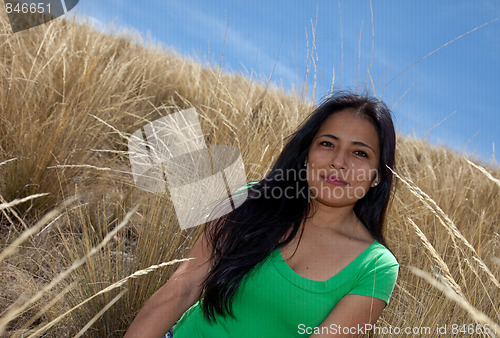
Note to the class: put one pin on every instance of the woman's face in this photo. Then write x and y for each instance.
(343, 160)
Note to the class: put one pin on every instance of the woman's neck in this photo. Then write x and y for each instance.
(340, 220)
(331, 217)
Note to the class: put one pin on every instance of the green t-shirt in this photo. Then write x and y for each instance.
(274, 301)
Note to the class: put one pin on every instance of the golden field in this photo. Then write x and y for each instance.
(82, 248)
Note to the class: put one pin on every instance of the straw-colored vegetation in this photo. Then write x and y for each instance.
(82, 248)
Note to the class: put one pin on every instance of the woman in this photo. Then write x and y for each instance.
(305, 253)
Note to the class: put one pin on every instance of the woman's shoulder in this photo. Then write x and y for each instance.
(380, 256)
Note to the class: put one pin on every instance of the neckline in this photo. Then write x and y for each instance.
(317, 285)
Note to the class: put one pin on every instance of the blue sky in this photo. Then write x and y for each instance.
(256, 37)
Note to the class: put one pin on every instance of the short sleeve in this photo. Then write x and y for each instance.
(240, 195)
(247, 186)
(378, 276)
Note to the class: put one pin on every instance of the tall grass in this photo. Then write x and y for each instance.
(69, 98)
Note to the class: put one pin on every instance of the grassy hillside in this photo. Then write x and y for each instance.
(69, 99)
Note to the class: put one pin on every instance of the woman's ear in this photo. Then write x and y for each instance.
(376, 180)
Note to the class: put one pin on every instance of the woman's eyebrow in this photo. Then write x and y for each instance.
(358, 143)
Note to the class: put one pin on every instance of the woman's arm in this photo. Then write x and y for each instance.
(355, 313)
(177, 295)
(350, 316)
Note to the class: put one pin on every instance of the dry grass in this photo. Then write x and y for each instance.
(70, 97)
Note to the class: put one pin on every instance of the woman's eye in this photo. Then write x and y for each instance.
(360, 153)
(326, 144)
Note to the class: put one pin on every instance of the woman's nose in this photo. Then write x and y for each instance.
(339, 160)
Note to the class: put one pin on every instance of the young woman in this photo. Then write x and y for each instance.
(305, 254)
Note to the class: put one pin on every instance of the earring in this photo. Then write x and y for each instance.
(375, 184)
(305, 164)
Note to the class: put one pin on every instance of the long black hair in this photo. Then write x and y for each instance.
(269, 218)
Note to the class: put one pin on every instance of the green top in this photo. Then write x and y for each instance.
(272, 300)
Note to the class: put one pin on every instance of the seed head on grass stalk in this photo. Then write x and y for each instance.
(447, 223)
(12, 248)
(475, 314)
(16, 310)
(109, 288)
(437, 258)
(485, 172)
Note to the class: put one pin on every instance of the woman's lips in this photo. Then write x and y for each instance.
(335, 180)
